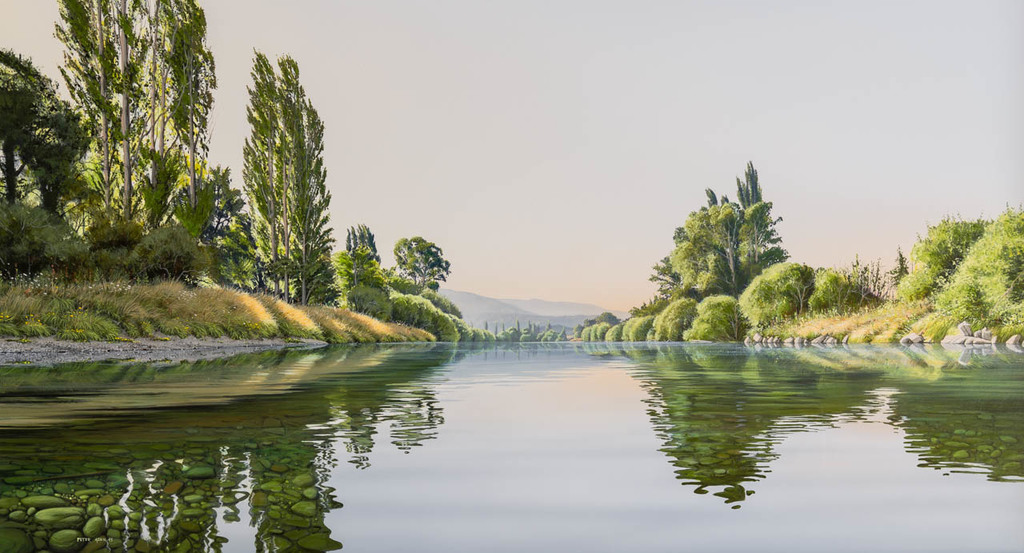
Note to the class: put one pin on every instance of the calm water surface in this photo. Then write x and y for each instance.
(566, 447)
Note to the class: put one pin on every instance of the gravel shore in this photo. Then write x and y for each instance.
(49, 351)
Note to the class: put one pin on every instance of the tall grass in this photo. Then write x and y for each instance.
(111, 311)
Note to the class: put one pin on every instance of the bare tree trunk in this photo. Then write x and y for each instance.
(272, 207)
(154, 25)
(10, 173)
(125, 118)
(104, 124)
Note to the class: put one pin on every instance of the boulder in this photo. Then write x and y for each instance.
(1013, 340)
(956, 339)
(912, 338)
(64, 541)
(789, 341)
(13, 540)
(984, 334)
(965, 329)
(818, 339)
(43, 501)
(747, 341)
(61, 517)
(758, 338)
(846, 339)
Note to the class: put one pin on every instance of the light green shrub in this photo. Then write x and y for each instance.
(718, 318)
(833, 291)
(937, 255)
(670, 324)
(614, 334)
(600, 329)
(780, 292)
(418, 312)
(988, 285)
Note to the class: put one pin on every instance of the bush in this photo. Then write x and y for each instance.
(718, 318)
(600, 329)
(370, 301)
(780, 292)
(587, 333)
(833, 291)
(988, 285)
(33, 240)
(418, 312)
(169, 253)
(442, 303)
(937, 255)
(112, 243)
(670, 324)
(636, 329)
(614, 333)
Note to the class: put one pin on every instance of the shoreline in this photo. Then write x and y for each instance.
(46, 351)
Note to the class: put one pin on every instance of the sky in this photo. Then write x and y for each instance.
(551, 147)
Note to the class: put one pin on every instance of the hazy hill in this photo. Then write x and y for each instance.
(478, 309)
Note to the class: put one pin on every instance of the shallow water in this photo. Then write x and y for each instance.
(562, 447)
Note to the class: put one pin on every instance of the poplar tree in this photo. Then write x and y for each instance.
(260, 154)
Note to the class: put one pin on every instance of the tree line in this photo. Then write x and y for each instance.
(118, 184)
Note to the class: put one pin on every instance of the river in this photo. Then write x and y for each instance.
(533, 447)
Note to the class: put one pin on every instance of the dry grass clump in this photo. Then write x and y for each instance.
(291, 321)
(109, 311)
(885, 323)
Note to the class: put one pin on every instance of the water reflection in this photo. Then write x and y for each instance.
(236, 454)
(182, 480)
(720, 409)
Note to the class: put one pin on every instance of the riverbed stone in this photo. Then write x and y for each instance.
(965, 329)
(61, 517)
(18, 516)
(66, 541)
(303, 480)
(1013, 340)
(199, 472)
(13, 540)
(106, 500)
(43, 501)
(94, 527)
(173, 487)
(304, 508)
(319, 542)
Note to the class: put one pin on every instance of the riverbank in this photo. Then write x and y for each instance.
(107, 314)
(50, 351)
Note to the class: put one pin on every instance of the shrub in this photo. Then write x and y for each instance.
(718, 318)
(833, 291)
(988, 285)
(370, 301)
(112, 243)
(600, 329)
(169, 253)
(418, 312)
(937, 255)
(33, 240)
(614, 334)
(780, 292)
(587, 333)
(637, 328)
(442, 303)
(670, 324)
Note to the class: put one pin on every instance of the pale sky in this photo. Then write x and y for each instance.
(551, 147)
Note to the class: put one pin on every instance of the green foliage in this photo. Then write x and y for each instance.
(421, 261)
(370, 301)
(651, 307)
(361, 237)
(112, 242)
(599, 331)
(33, 240)
(900, 268)
(637, 328)
(359, 268)
(169, 253)
(614, 333)
(719, 318)
(442, 303)
(670, 324)
(988, 285)
(606, 317)
(782, 291)
(834, 292)
(937, 255)
(418, 312)
(42, 137)
(722, 246)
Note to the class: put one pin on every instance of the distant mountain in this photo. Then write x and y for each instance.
(479, 309)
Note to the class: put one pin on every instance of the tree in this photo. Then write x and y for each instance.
(361, 236)
(665, 277)
(89, 67)
(422, 261)
(194, 78)
(260, 153)
(38, 131)
(900, 268)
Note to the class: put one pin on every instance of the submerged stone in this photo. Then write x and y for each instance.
(43, 501)
(65, 541)
(319, 542)
(94, 527)
(13, 540)
(61, 517)
(199, 472)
